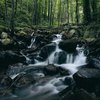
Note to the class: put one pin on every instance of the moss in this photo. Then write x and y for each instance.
(4, 35)
(21, 33)
(6, 41)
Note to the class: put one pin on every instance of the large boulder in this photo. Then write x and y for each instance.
(5, 85)
(47, 50)
(69, 45)
(87, 78)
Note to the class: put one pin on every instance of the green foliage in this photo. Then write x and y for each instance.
(45, 12)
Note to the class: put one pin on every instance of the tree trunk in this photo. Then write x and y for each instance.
(86, 11)
(12, 18)
(67, 11)
(77, 12)
(51, 12)
(94, 10)
(59, 13)
(6, 12)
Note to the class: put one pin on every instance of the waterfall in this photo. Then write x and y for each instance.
(69, 58)
(73, 63)
(53, 57)
(80, 58)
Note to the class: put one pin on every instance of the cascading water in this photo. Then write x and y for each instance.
(53, 58)
(44, 90)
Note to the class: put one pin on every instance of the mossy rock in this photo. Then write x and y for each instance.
(4, 35)
(21, 33)
(6, 41)
(73, 33)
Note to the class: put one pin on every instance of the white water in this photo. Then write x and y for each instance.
(72, 62)
(54, 85)
(52, 58)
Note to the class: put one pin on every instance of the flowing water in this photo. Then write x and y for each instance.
(47, 87)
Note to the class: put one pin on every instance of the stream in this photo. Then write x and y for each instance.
(47, 86)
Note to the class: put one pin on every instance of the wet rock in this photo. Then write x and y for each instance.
(69, 45)
(9, 57)
(50, 70)
(63, 72)
(5, 85)
(87, 78)
(61, 57)
(23, 80)
(68, 81)
(47, 50)
(94, 62)
(80, 94)
(94, 47)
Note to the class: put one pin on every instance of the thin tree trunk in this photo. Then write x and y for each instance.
(12, 18)
(77, 12)
(48, 10)
(94, 10)
(51, 12)
(67, 11)
(6, 12)
(59, 13)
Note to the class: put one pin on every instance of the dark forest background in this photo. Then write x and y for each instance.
(19, 14)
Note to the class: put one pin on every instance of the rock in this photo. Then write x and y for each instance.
(50, 70)
(21, 33)
(6, 41)
(87, 78)
(10, 57)
(47, 50)
(77, 95)
(5, 85)
(74, 33)
(61, 57)
(4, 35)
(23, 80)
(68, 81)
(69, 45)
(52, 37)
(94, 47)
(94, 62)
(62, 71)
